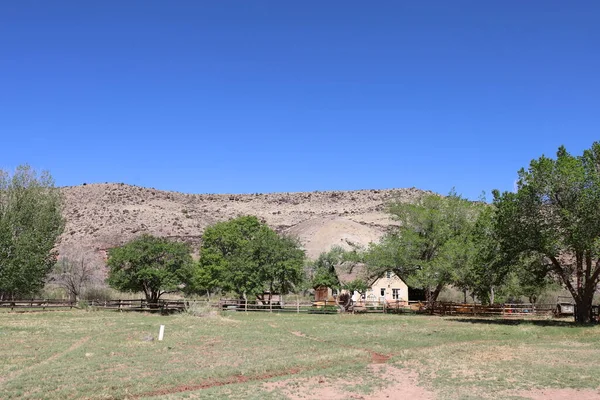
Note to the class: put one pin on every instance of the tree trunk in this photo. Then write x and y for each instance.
(492, 295)
(152, 299)
(432, 296)
(583, 309)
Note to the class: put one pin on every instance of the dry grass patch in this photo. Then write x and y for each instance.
(271, 356)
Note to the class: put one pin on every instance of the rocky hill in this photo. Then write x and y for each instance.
(101, 216)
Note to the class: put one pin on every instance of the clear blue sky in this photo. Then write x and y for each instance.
(264, 96)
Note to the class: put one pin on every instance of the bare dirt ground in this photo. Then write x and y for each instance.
(101, 216)
(403, 384)
(559, 394)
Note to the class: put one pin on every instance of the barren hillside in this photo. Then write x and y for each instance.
(101, 216)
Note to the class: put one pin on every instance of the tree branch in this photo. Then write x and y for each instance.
(561, 272)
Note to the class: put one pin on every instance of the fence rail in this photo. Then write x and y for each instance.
(320, 307)
(280, 307)
(140, 305)
(504, 310)
(37, 304)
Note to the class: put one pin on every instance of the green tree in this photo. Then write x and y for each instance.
(246, 257)
(30, 224)
(431, 245)
(496, 276)
(489, 266)
(149, 264)
(280, 260)
(555, 214)
(323, 268)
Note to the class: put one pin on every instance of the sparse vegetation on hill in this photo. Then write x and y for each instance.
(102, 216)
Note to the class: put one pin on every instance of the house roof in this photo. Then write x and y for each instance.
(349, 271)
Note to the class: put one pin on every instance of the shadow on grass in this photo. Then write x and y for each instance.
(549, 322)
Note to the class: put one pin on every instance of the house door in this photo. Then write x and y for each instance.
(382, 297)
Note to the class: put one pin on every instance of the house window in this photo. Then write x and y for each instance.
(382, 292)
(388, 274)
(396, 294)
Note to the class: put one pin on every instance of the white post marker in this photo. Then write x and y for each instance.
(161, 332)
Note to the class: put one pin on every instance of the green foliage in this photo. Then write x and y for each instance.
(149, 264)
(431, 247)
(357, 285)
(323, 268)
(489, 266)
(30, 224)
(555, 216)
(245, 256)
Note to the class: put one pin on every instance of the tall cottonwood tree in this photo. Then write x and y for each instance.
(431, 245)
(555, 213)
(30, 224)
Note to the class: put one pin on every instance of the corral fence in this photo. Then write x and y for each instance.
(320, 307)
(38, 304)
(164, 306)
(390, 307)
(279, 306)
(505, 310)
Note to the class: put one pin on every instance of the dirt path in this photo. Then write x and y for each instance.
(229, 381)
(397, 384)
(376, 358)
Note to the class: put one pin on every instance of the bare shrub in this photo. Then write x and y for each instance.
(76, 269)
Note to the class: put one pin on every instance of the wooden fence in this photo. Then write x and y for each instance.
(164, 306)
(504, 310)
(123, 305)
(36, 304)
(321, 307)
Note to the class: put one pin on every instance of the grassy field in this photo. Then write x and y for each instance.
(108, 355)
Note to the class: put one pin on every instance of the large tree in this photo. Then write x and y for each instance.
(431, 244)
(149, 264)
(30, 224)
(555, 214)
(280, 260)
(247, 257)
